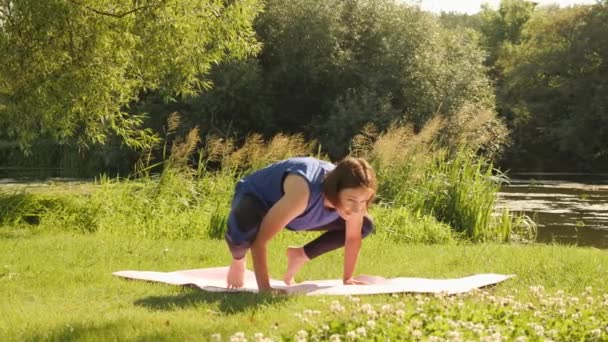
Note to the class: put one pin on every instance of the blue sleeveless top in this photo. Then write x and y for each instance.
(267, 185)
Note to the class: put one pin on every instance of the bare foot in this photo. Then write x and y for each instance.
(296, 258)
(236, 274)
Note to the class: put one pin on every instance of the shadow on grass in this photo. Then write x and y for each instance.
(111, 331)
(229, 302)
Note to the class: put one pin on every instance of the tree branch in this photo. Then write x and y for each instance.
(111, 14)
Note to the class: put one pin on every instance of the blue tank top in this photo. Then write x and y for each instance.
(267, 185)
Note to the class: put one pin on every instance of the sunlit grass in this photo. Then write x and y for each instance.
(59, 287)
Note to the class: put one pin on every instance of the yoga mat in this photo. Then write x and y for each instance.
(214, 279)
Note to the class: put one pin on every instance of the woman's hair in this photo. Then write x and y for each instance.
(351, 172)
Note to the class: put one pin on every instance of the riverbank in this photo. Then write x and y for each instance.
(59, 287)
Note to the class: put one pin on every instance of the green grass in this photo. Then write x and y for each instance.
(59, 287)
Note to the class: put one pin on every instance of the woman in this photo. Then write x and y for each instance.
(302, 194)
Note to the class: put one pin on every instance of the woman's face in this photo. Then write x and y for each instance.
(353, 201)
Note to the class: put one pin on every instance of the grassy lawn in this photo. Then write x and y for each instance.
(59, 287)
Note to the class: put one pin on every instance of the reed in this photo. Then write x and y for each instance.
(435, 171)
(430, 191)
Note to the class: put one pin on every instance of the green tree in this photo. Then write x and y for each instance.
(329, 67)
(503, 26)
(554, 90)
(73, 68)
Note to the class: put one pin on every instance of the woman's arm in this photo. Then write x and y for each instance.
(292, 204)
(352, 246)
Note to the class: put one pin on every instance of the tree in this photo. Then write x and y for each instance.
(73, 68)
(504, 25)
(555, 83)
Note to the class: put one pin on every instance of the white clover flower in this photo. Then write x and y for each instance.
(495, 337)
(493, 328)
(298, 315)
(335, 338)
(596, 333)
(259, 337)
(588, 290)
(238, 337)
(521, 339)
(351, 335)
(216, 337)
(325, 327)
(573, 300)
(401, 305)
(361, 331)
(453, 335)
(576, 315)
(336, 306)
(366, 307)
(354, 299)
(371, 324)
(537, 290)
(400, 313)
(417, 334)
(372, 313)
(415, 323)
(434, 339)
(452, 324)
(589, 299)
(539, 330)
(387, 308)
(302, 334)
(553, 333)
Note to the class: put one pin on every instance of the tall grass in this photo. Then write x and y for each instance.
(431, 190)
(187, 199)
(438, 171)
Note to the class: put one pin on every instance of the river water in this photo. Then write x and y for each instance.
(568, 208)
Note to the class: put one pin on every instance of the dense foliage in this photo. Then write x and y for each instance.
(72, 68)
(92, 71)
(550, 66)
(325, 70)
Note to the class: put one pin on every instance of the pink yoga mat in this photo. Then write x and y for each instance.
(214, 279)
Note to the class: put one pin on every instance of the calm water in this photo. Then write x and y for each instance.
(568, 208)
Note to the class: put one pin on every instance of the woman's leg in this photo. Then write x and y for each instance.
(243, 225)
(333, 238)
